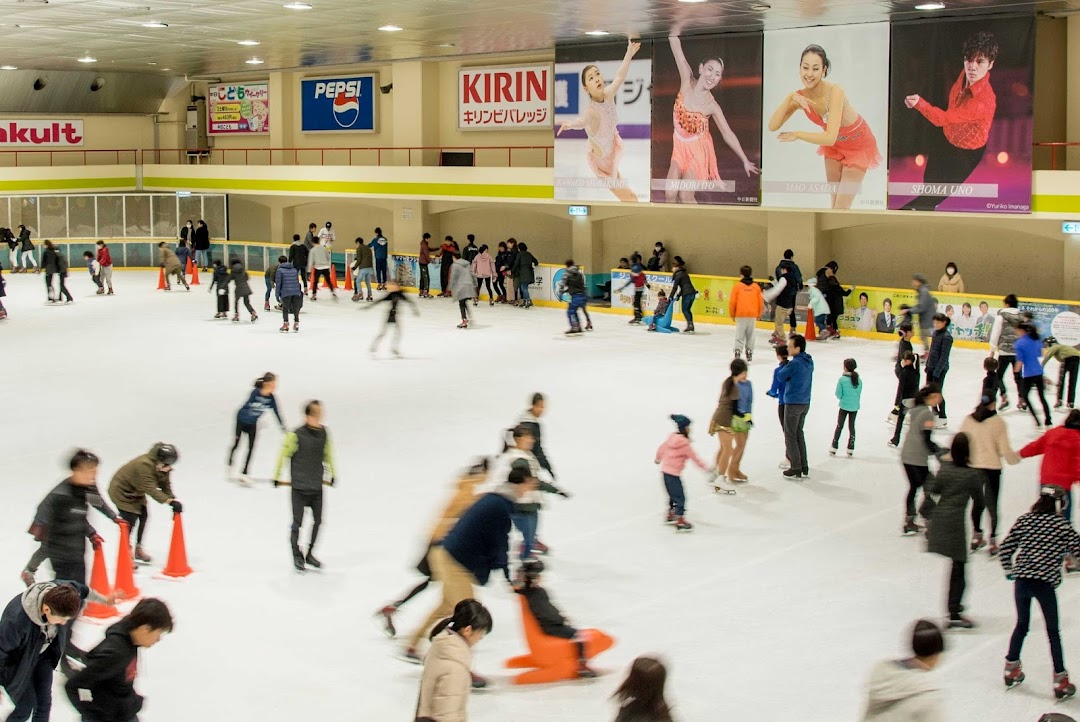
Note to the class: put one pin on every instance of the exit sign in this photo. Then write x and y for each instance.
(1071, 228)
(584, 211)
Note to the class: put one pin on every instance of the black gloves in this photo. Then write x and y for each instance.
(177, 507)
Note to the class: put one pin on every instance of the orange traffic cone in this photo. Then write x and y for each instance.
(99, 582)
(161, 279)
(333, 276)
(811, 327)
(125, 566)
(194, 274)
(177, 565)
(348, 279)
(313, 286)
(189, 266)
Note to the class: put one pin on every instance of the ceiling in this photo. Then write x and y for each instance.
(201, 37)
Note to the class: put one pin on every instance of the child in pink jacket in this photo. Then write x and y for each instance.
(672, 457)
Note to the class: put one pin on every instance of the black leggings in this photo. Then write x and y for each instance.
(1068, 367)
(945, 164)
(850, 417)
(247, 304)
(136, 519)
(321, 273)
(425, 278)
(250, 430)
(480, 285)
(991, 489)
(304, 500)
(916, 476)
(1037, 383)
(500, 285)
(940, 381)
(1006, 363)
(831, 321)
(463, 304)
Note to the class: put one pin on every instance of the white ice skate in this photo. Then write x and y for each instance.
(721, 486)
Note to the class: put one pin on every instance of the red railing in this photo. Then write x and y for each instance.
(11, 158)
(1054, 150)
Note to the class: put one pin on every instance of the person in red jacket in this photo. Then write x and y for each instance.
(745, 305)
(1060, 449)
(105, 259)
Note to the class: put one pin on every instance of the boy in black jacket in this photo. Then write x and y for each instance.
(906, 389)
(104, 691)
(548, 616)
(221, 280)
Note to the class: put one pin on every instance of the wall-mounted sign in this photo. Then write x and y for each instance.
(338, 104)
(1071, 228)
(579, 210)
(242, 108)
(41, 133)
(504, 98)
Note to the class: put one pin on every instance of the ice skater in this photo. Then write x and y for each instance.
(745, 305)
(549, 618)
(1029, 363)
(776, 391)
(672, 457)
(27, 247)
(290, 294)
(724, 426)
(1068, 358)
(170, 264)
(989, 439)
(94, 268)
(907, 387)
(849, 388)
(683, 288)
(1003, 336)
(320, 261)
(798, 378)
(241, 289)
(462, 286)
(573, 284)
(260, 401)
(3, 294)
(937, 363)
(394, 296)
(520, 453)
(220, 282)
(818, 308)
(380, 247)
(55, 264)
(639, 282)
(445, 684)
(916, 450)
(364, 265)
(146, 475)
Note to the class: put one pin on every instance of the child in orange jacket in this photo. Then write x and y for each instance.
(745, 305)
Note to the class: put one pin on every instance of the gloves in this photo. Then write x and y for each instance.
(177, 507)
(96, 541)
(563, 494)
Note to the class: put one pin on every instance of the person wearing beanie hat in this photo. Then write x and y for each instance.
(672, 457)
(550, 620)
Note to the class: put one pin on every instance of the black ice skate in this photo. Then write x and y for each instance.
(298, 561)
(311, 561)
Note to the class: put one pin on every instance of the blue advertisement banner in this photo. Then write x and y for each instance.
(338, 104)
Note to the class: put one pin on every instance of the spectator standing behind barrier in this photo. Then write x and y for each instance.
(187, 233)
(27, 250)
(502, 272)
(903, 689)
(202, 244)
(785, 302)
(951, 282)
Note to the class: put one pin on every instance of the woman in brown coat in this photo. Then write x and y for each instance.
(447, 679)
(989, 439)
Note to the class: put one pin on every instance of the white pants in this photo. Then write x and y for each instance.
(28, 259)
(14, 254)
(106, 276)
(744, 334)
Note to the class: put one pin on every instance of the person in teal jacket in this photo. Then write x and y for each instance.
(849, 392)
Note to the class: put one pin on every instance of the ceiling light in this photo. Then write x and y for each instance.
(254, 61)
(155, 25)
(298, 6)
(8, 67)
(930, 6)
(390, 29)
(247, 42)
(87, 59)
(598, 33)
(151, 63)
(447, 45)
(691, 1)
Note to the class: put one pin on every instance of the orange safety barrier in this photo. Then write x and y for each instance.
(125, 565)
(811, 327)
(333, 276)
(553, 659)
(194, 275)
(177, 566)
(99, 582)
(161, 279)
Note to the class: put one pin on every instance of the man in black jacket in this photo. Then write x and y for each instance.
(785, 303)
(298, 257)
(105, 690)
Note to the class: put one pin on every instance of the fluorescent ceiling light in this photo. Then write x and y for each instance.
(8, 67)
(247, 42)
(298, 6)
(155, 25)
(390, 29)
(930, 6)
(87, 59)
(598, 33)
(691, 1)
(254, 61)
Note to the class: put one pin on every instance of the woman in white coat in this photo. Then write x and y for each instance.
(447, 679)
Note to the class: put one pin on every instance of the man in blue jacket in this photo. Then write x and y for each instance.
(477, 544)
(381, 248)
(798, 379)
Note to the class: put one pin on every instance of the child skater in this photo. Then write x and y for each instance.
(94, 268)
(221, 281)
(394, 296)
(672, 457)
(917, 448)
(1069, 363)
(247, 420)
(819, 307)
(992, 384)
(3, 292)
(640, 283)
(848, 392)
(548, 616)
(241, 290)
(661, 321)
(776, 391)
(290, 295)
(907, 386)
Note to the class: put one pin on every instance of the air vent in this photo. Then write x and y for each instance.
(39, 83)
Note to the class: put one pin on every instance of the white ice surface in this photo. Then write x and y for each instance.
(774, 608)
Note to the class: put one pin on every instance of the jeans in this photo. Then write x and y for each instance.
(1069, 367)
(526, 523)
(957, 584)
(302, 500)
(991, 490)
(135, 520)
(687, 305)
(577, 301)
(794, 439)
(523, 289)
(916, 476)
(425, 278)
(36, 698)
(849, 416)
(1025, 590)
(380, 271)
(676, 494)
(269, 289)
(821, 321)
(1035, 382)
(364, 276)
(242, 429)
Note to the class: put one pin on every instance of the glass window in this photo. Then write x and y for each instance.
(137, 216)
(81, 223)
(110, 216)
(53, 217)
(163, 213)
(190, 209)
(24, 210)
(214, 215)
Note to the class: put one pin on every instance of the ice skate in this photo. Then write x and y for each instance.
(588, 326)
(892, 444)
(491, 302)
(463, 324)
(284, 327)
(372, 298)
(941, 423)
(574, 331)
(1058, 404)
(475, 303)
(311, 561)
(296, 327)
(1063, 689)
(27, 577)
(832, 451)
(850, 451)
(671, 517)
(141, 556)
(386, 616)
(245, 479)
(236, 318)
(100, 292)
(478, 682)
(738, 354)
(1014, 674)
(777, 340)
(959, 621)
(1004, 403)
(720, 485)
(298, 561)
(749, 355)
(689, 329)
(584, 671)
(910, 527)
(994, 550)
(540, 547)
(681, 525)
(977, 542)
(254, 317)
(794, 474)
(266, 306)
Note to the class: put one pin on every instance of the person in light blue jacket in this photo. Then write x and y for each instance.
(798, 379)
(849, 392)
(381, 248)
(819, 307)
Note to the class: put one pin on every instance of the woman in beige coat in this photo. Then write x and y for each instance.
(447, 680)
(989, 447)
(951, 281)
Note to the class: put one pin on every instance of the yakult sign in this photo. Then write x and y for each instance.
(41, 133)
(329, 104)
(504, 98)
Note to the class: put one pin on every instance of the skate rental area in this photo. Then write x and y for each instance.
(443, 362)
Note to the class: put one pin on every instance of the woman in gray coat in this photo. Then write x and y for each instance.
(462, 286)
(916, 449)
(956, 483)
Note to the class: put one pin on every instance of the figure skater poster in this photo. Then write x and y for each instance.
(826, 111)
(603, 112)
(961, 115)
(706, 125)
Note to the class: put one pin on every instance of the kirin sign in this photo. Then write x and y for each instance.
(504, 98)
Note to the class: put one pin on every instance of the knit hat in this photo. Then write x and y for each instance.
(681, 421)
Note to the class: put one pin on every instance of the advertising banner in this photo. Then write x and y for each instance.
(505, 98)
(242, 108)
(700, 82)
(603, 113)
(338, 104)
(961, 115)
(41, 133)
(827, 109)
(711, 303)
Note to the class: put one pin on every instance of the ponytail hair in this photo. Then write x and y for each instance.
(264, 379)
(468, 613)
(1050, 501)
(850, 365)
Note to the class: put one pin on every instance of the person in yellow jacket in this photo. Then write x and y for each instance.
(310, 459)
(148, 475)
(463, 498)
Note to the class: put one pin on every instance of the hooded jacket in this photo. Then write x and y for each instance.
(364, 258)
(298, 255)
(479, 540)
(27, 638)
(447, 680)
(798, 378)
(483, 265)
(955, 486)
(169, 260)
(24, 239)
(1005, 331)
(786, 299)
(1060, 449)
(746, 300)
(572, 282)
(105, 689)
(319, 257)
(287, 282)
(64, 517)
(239, 277)
(462, 281)
(674, 453)
(900, 692)
(380, 246)
(818, 305)
(136, 480)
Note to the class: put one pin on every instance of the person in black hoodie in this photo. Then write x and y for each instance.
(548, 616)
(784, 307)
(682, 287)
(834, 293)
(907, 388)
(502, 270)
(104, 691)
(937, 363)
(470, 251)
(298, 257)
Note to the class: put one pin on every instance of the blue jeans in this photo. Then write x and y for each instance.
(820, 321)
(687, 304)
(523, 292)
(364, 275)
(577, 302)
(37, 697)
(380, 271)
(526, 523)
(676, 495)
(269, 288)
(1025, 590)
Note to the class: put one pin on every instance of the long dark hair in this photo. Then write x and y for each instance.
(467, 613)
(1050, 500)
(925, 392)
(264, 379)
(642, 692)
(960, 450)
(738, 366)
(850, 365)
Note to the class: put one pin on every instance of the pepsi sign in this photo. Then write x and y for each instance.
(338, 104)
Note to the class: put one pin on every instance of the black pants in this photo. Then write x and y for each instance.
(945, 164)
(134, 520)
(940, 381)
(291, 304)
(444, 275)
(250, 430)
(957, 584)
(991, 491)
(899, 422)
(303, 279)
(500, 285)
(1005, 364)
(1039, 384)
(36, 698)
(831, 320)
(849, 416)
(247, 304)
(637, 305)
(63, 292)
(395, 342)
(916, 476)
(320, 273)
(73, 570)
(380, 271)
(222, 300)
(463, 306)
(480, 285)
(425, 278)
(306, 500)
(1026, 590)
(1068, 367)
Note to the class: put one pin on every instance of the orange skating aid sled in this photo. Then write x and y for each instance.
(553, 659)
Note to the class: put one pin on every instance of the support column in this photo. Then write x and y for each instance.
(282, 91)
(415, 111)
(799, 232)
(1072, 93)
(1070, 268)
(587, 249)
(412, 218)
